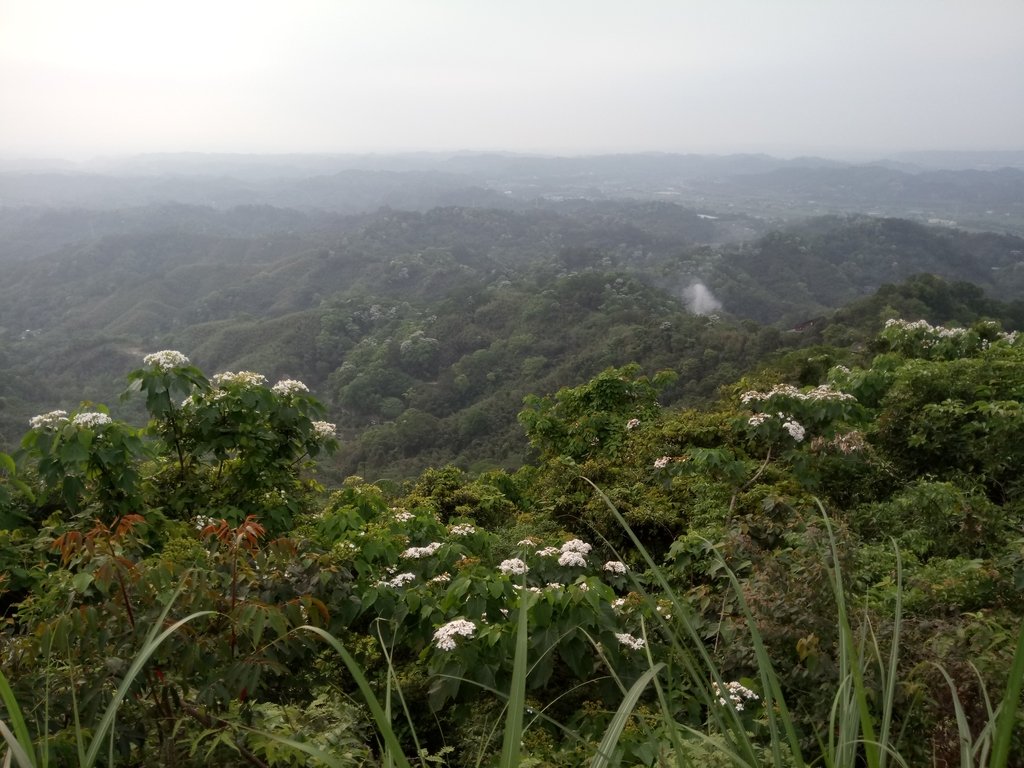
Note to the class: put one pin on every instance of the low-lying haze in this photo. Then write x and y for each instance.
(574, 76)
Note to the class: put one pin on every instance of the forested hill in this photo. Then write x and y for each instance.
(422, 331)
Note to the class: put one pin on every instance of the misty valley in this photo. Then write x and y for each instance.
(505, 459)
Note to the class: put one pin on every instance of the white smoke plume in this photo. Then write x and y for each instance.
(700, 300)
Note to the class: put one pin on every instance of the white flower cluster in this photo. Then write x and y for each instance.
(574, 554)
(795, 429)
(289, 387)
(462, 529)
(165, 359)
(396, 582)
(822, 392)
(90, 419)
(441, 578)
(618, 603)
(243, 378)
(202, 521)
(572, 560)
(577, 545)
(404, 517)
(445, 636)
(50, 420)
(933, 334)
(736, 693)
(615, 566)
(527, 542)
(758, 419)
(632, 423)
(415, 553)
(662, 462)
(548, 552)
(324, 429)
(633, 643)
(514, 567)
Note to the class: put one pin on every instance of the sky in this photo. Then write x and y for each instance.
(839, 78)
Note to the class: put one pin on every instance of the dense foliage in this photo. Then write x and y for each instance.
(209, 513)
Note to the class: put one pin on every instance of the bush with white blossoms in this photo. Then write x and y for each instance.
(444, 637)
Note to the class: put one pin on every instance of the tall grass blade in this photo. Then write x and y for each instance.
(20, 734)
(1006, 717)
(383, 724)
(621, 717)
(15, 749)
(512, 740)
(149, 647)
(697, 662)
(889, 697)
(850, 655)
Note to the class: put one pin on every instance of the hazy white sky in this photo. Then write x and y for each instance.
(83, 77)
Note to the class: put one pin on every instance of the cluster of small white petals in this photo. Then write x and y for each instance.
(165, 359)
(577, 545)
(615, 566)
(758, 419)
(572, 560)
(514, 567)
(441, 578)
(618, 603)
(91, 419)
(527, 542)
(548, 552)
(398, 581)
(324, 429)
(822, 392)
(462, 529)
(795, 429)
(662, 462)
(736, 693)
(50, 420)
(583, 586)
(555, 585)
(289, 387)
(415, 553)
(243, 378)
(202, 521)
(632, 423)
(633, 643)
(445, 636)
(404, 517)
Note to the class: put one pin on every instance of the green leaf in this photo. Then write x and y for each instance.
(81, 581)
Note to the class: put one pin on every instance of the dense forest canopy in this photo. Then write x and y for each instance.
(709, 436)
